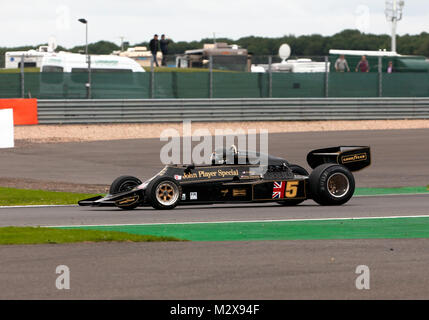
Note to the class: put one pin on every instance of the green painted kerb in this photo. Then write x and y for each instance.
(381, 191)
(286, 230)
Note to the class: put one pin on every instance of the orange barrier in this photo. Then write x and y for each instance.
(24, 110)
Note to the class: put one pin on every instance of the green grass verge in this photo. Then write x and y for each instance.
(386, 228)
(38, 235)
(17, 70)
(21, 197)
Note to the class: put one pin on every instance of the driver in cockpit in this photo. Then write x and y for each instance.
(225, 156)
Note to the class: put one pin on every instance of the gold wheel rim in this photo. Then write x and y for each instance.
(338, 185)
(167, 193)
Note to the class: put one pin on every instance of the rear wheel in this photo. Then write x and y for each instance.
(164, 193)
(123, 184)
(331, 184)
(296, 169)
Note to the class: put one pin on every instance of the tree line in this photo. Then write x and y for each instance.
(305, 45)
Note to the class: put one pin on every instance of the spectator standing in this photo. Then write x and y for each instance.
(341, 64)
(363, 65)
(153, 46)
(390, 67)
(164, 48)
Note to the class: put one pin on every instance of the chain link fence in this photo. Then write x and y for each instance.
(298, 77)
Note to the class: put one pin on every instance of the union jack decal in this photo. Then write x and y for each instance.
(278, 190)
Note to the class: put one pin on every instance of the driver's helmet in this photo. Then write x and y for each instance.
(222, 156)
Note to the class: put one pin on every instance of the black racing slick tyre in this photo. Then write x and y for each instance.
(296, 169)
(123, 184)
(331, 184)
(164, 193)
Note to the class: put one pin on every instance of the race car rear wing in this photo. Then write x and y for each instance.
(354, 158)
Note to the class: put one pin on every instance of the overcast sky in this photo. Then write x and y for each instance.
(30, 22)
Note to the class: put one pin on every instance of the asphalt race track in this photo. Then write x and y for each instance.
(399, 157)
(302, 269)
(372, 206)
(218, 270)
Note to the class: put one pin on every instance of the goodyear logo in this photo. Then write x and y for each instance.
(354, 157)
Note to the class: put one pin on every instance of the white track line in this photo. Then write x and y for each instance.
(235, 221)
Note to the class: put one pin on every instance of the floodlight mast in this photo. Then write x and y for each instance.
(394, 14)
(88, 58)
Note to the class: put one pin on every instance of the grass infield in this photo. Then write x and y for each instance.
(38, 235)
(22, 197)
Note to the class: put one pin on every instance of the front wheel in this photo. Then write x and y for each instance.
(331, 184)
(164, 193)
(123, 184)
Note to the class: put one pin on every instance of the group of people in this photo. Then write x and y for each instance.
(155, 45)
(341, 65)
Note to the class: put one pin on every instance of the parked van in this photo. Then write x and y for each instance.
(65, 75)
(75, 62)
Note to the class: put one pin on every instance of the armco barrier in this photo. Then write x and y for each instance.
(175, 110)
(24, 110)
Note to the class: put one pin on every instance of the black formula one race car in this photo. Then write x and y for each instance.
(240, 181)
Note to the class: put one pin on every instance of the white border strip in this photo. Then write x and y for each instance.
(234, 221)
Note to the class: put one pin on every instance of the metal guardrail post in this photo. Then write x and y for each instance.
(89, 83)
(270, 77)
(22, 77)
(211, 77)
(380, 77)
(326, 76)
(152, 78)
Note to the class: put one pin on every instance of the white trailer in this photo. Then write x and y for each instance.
(63, 74)
(32, 58)
(75, 62)
(292, 65)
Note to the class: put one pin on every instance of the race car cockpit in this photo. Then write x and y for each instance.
(233, 156)
(225, 156)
